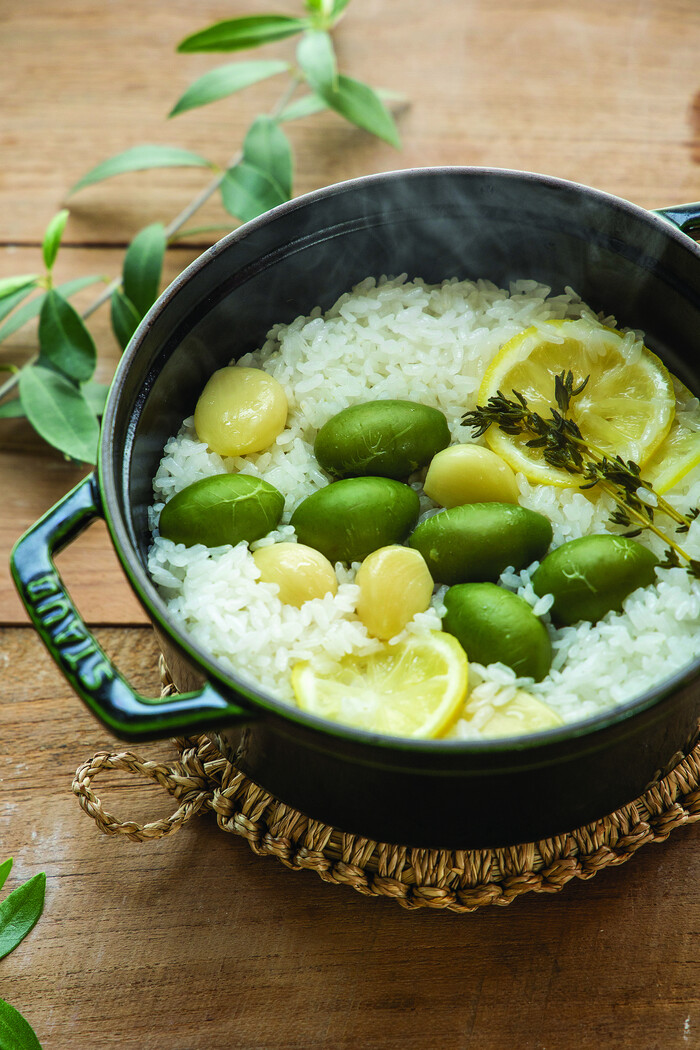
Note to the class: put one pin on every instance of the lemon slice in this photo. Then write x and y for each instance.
(523, 713)
(626, 408)
(412, 689)
(679, 451)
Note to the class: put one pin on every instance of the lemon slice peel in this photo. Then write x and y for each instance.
(679, 452)
(414, 688)
(626, 409)
(519, 714)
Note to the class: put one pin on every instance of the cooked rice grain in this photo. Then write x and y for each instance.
(395, 338)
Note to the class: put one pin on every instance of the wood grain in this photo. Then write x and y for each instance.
(537, 86)
(600, 93)
(194, 942)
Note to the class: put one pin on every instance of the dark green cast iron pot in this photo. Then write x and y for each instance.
(431, 223)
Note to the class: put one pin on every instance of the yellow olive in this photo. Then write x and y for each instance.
(300, 572)
(240, 410)
(395, 584)
(469, 474)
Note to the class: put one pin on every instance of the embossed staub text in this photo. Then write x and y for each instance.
(74, 646)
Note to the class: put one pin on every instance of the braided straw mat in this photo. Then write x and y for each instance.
(454, 880)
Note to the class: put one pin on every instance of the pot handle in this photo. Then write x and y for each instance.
(684, 216)
(77, 653)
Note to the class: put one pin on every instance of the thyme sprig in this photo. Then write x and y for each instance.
(563, 447)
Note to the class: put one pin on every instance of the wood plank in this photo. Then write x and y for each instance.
(602, 94)
(588, 117)
(195, 942)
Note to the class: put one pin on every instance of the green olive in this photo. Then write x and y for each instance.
(593, 575)
(478, 541)
(223, 508)
(388, 439)
(349, 519)
(494, 625)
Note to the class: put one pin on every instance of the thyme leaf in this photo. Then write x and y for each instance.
(563, 447)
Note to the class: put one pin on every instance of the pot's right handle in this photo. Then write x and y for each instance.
(685, 216)
(79, 656)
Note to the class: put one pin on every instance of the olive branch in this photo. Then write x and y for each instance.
(55, 390)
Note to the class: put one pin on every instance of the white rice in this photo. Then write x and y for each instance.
(395, 338)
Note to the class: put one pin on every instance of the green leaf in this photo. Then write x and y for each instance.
(96, 395)
(64, 341)
(59, 412)
(321, 12)
(338, 8)
(224, 81)
(8, 304)
(12, 285)
(267, 148)
(125, 318)
(143, 266)
(5, 869)
(359, 104)
(305, 106)
(20, 911)
(141, 158)
(11, 410)
(247, 192)
(15, 1032)
(308, 105)
(52, 238)
(31, 310)
(237, 34)
(69, 288)
(316, 57)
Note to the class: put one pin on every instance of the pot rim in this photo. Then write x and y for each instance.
(154, 605)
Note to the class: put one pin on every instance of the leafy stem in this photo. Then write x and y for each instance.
(56, 390)
(19, 913)
(632, 514)
(169, 233)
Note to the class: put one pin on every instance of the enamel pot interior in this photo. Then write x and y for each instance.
(434, 224)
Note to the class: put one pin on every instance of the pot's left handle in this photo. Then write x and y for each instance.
(66, 636)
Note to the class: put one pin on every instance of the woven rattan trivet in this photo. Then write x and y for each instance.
(454, 880)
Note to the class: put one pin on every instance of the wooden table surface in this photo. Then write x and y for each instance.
(193, 942)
